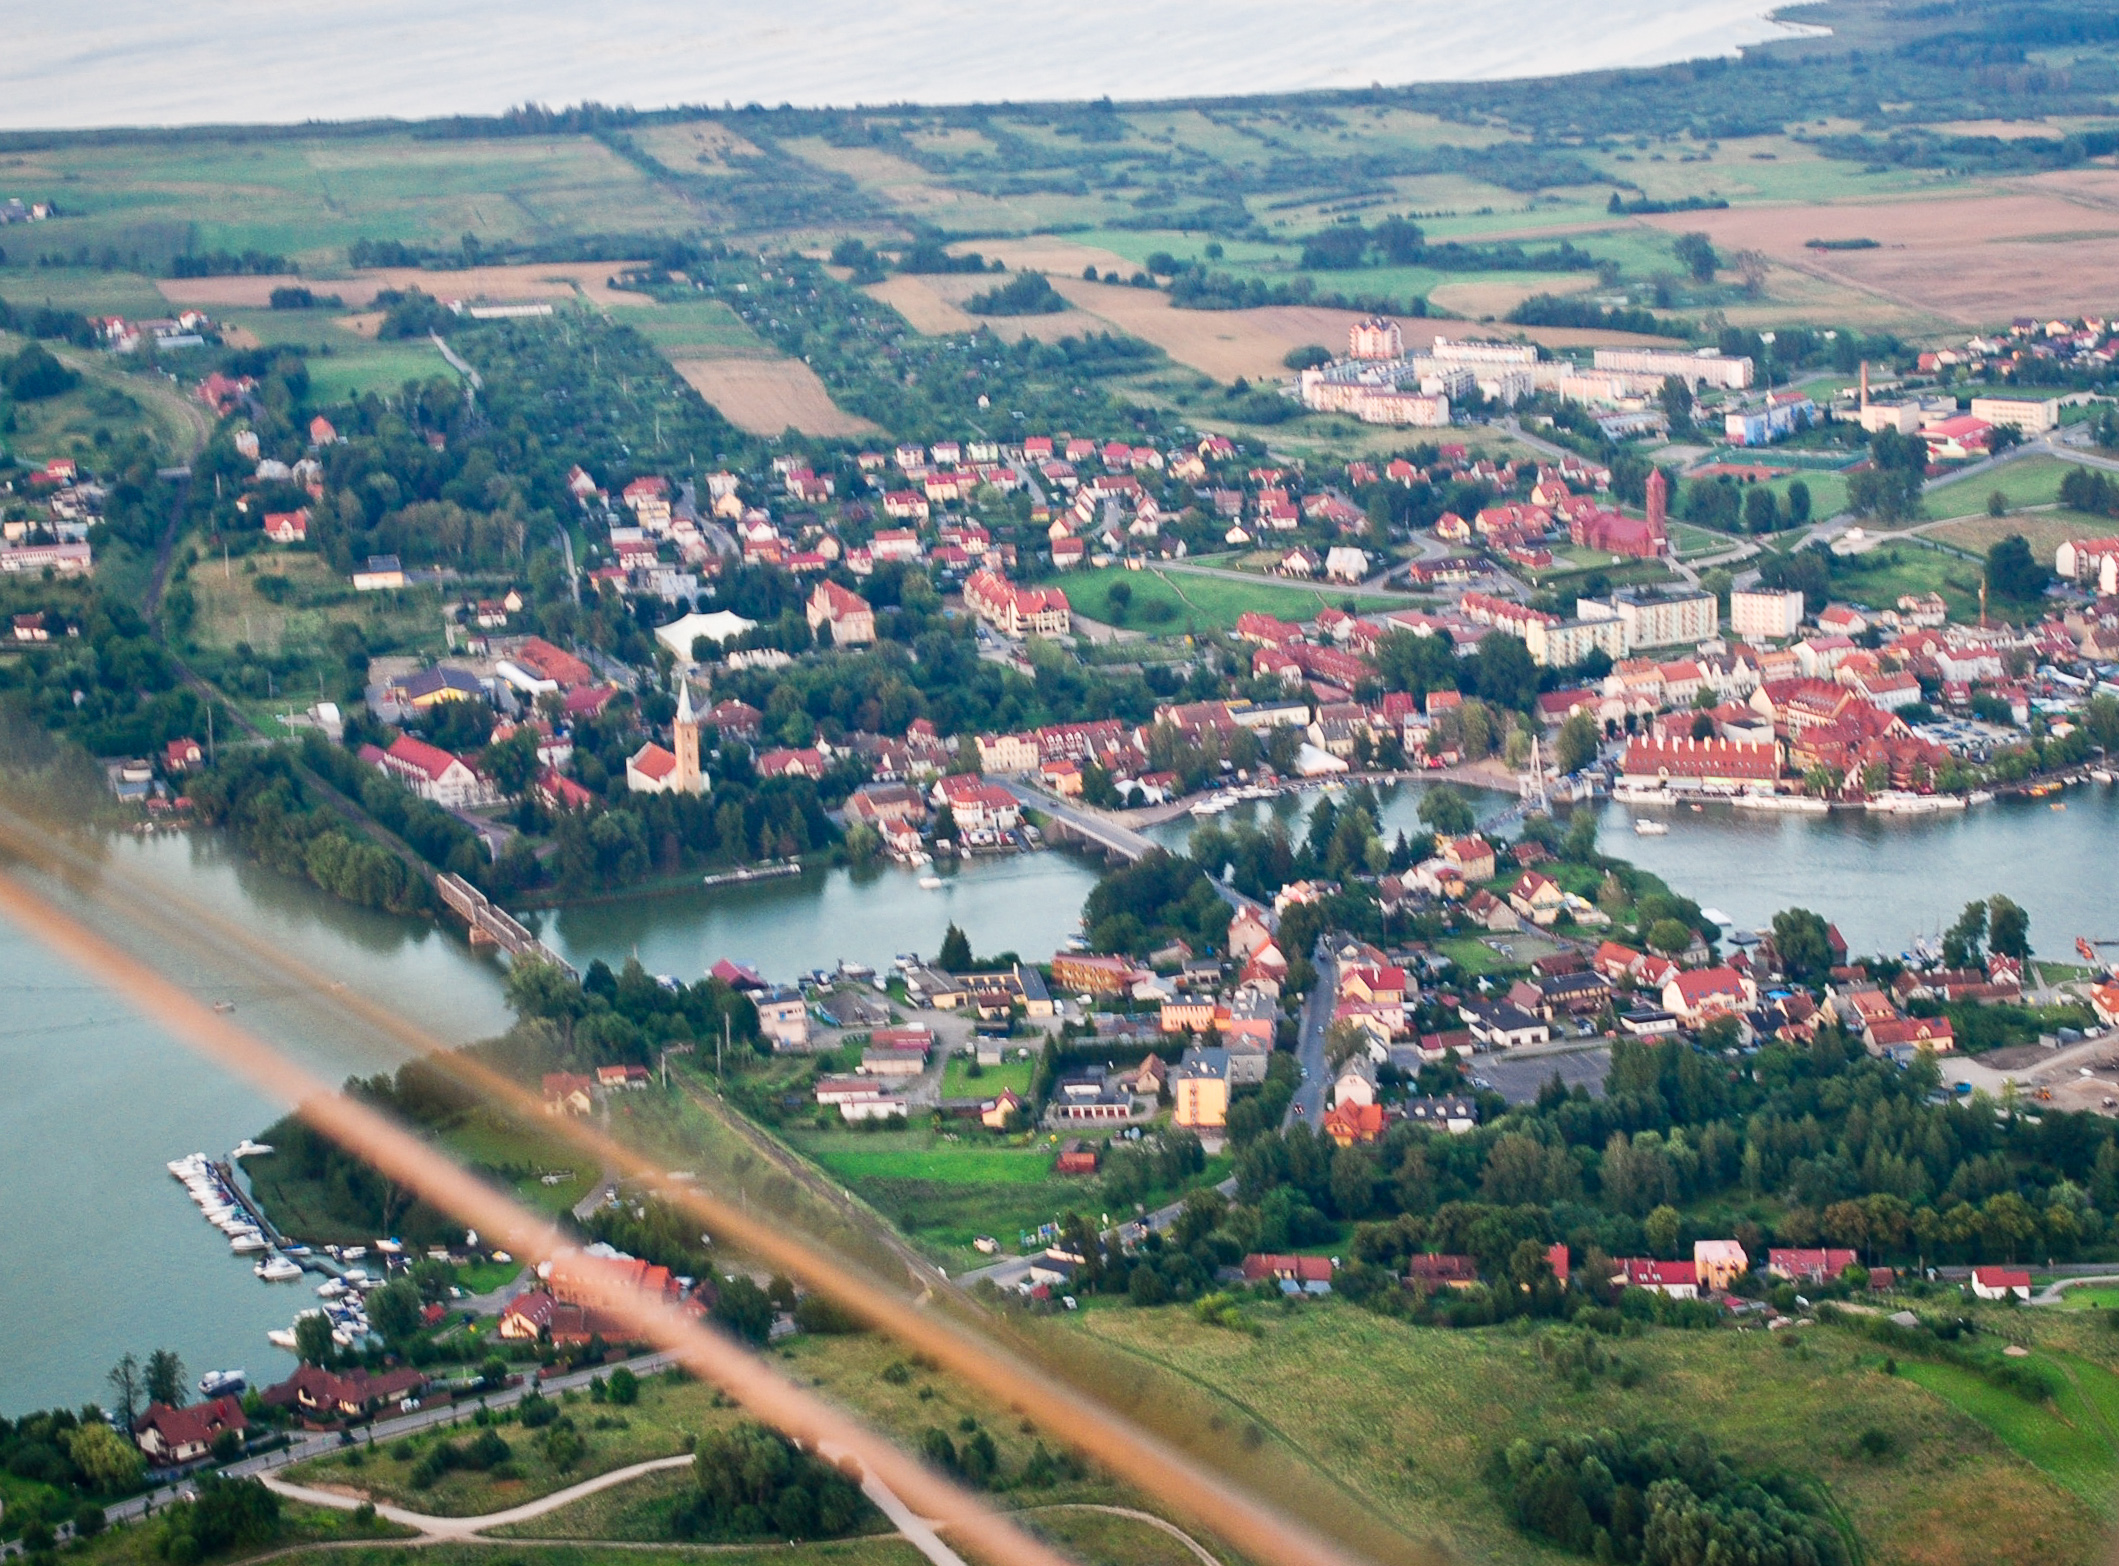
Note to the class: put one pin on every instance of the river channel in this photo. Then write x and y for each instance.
(101, 1252)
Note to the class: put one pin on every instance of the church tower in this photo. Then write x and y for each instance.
(684, 741)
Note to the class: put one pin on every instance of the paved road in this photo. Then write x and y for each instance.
(1088, 821)
(1308, 1104)
(315, 1444)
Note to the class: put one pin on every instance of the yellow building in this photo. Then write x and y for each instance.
(1200, 1088)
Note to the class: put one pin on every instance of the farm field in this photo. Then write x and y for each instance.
(556, 281)
(1968, 257)
(934, 305)
(308, 198)
(1396, 1422)
(769, 396)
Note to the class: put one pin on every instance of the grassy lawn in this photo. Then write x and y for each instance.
(109, 403)
(2044, 531)
(1179, 601)
(2104, 1297)
(513, 1157)
(1474, 957)
(944, 1194)
(2030, 481)
(958, 1082)
(522, 1158)
(1394, 1423)
(1885, 574)
(231, 608)
(668, 1411)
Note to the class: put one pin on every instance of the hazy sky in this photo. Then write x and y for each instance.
(136, 62)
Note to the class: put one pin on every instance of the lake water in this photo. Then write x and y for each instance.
(148, 62)
(100, 1251)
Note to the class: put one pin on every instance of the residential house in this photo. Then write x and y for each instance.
(1538, 898)
(2000, 1283)
(783, 1017)
(1356, 1082)
(170, 1436)
(1719, 1263)
(565, 1093)
(1430, 1270)
(1452, 1113)
(1699, 995)
(1808, 1266)
(1503, 1025)
(1348, 1124)
(321, 1395)
(1295, 1274)
(1678, 1279)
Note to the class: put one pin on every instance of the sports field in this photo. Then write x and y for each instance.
(1167, 602)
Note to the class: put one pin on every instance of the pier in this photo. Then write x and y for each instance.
(494, 926)
(776, 871)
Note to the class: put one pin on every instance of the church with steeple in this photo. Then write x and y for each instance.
(654, 770)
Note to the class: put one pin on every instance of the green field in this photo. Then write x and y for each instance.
(1195, 602)
(2031, 481)
(1393, 1423)
(2075, 1451)
(308, 198)
(108, 404)
(703, 329)
(1900, 569)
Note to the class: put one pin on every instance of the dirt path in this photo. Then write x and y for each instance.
(1206, 1558)
(431, 1527)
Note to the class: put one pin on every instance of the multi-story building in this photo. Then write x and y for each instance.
(1657, 620)
(1729, 372)
(1760, 615)
(2019, 413)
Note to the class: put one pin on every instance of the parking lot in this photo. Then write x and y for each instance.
(1518, 1075)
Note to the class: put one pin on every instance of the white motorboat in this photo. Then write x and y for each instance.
(2101, 775)
(223, 1383)
(249, 1149)
(353, 1252)
(331, 1289)
(930, 883)
(1643, 827)
(246, 1244)
(277, 1269)
(280, 1337)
